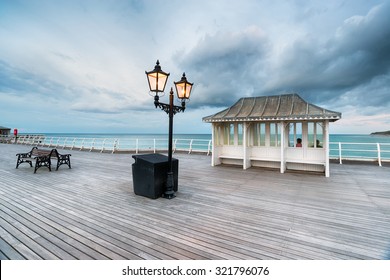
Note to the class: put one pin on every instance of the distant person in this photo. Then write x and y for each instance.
(299, 143)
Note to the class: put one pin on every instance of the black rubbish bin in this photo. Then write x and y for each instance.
(150, 174)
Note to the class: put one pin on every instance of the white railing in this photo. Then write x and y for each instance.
(116, 144)
(377, 152)
(6, 138)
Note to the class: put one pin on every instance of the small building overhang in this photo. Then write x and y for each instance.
(287, 107)
(5, 131)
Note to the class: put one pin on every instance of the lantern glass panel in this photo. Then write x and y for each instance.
(157, 81)
(183, 90)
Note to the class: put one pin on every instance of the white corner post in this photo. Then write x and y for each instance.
(213, 153)
(326, 133)
(282, 149)
(214, 149)
(245, 142)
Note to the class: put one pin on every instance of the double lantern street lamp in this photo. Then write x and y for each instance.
(157, 80)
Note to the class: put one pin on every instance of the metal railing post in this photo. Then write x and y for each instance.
(379, 154)
(63, 146)
(82, 144)
(92, 145)
(73, 143)
(115, 144)
(174, 145)
(190, 150)
(209, 147)
(341, 161)
(104, 142)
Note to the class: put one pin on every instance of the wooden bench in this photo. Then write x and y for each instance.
(43, 157)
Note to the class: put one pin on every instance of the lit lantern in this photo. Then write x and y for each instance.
(183, 88)
(157, 79)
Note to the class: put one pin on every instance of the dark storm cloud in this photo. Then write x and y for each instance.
(354, 59)
(358, 52)
(223, 63)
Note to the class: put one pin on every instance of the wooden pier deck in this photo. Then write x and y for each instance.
(224, 212)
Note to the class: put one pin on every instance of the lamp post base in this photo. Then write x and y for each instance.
(169, 193)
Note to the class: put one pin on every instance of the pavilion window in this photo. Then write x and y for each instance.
(274, 135)
(231, 134)
(255, 135)
(315, 135)
(240, 133)
(259, 134)
(226, 132)
(294, 132)
(319, 143)
(217, 135)
(311, 134)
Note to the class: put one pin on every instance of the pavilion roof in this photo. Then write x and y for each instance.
(290, 107)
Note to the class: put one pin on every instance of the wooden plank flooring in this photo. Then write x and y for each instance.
(224, 212)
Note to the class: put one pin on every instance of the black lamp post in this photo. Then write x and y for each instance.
(157, 80)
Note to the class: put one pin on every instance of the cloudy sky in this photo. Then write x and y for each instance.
(79, 66)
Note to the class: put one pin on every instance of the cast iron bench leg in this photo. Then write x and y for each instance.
(63, 159)
(21, 160)
(42, 161)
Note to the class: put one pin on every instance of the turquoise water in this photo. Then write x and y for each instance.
(359, 138)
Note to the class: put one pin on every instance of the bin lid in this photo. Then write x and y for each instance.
(152, 158)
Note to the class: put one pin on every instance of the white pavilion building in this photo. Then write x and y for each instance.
(264, 131)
